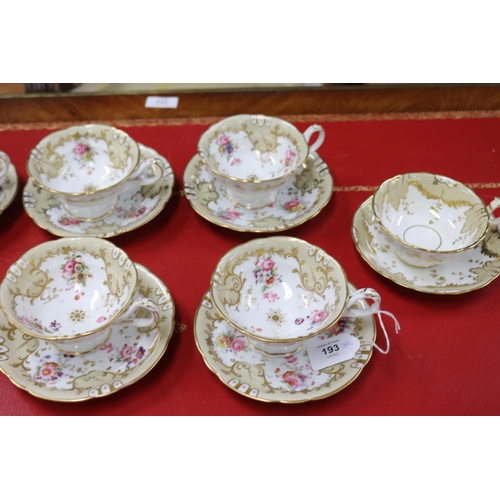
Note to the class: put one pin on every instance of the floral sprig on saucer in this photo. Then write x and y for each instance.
(294, 206)
(229, 214)
(135, 213)
(295, 377)
(232, 340)
(67, 221)
(129, 354)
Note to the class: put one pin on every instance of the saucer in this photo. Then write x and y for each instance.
(289, 379)
(8, 188)
(299, 200)
(38, 367)
(135, 207)
(468, 271)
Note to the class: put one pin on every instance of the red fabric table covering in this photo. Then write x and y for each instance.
(443, 362)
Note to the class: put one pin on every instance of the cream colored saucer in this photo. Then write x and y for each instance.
(8, 188)
(289, 379)
(38, 367)
(135, 208)
(469, 271)
(299, 200)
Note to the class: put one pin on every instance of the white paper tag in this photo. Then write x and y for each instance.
(327, 352)
(161, 102)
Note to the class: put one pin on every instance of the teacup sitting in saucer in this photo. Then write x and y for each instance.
(252, 156)
(279, 291)
(72, 292)
(86, 167)
(431, 219)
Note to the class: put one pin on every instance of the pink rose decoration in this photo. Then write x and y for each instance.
(290, 154)
(318, 316)
(100, 319)
(69, 267)
(290, 205)
(238, 345)
(126, 351)
(81, 149)
(267, 264)
(223, 139)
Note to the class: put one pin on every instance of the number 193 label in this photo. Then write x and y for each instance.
(328, 352)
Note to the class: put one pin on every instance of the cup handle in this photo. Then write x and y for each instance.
(494, 222)
(156, 169)
(141, 303)
(4, 158)
(363, 294)
(321, 137)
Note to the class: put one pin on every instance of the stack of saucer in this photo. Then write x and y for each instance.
(274, 297)
(95, 180)
(80, 320)
(258, 173)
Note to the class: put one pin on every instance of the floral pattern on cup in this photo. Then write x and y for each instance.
(76, 272)
(36, 324)
(226, 145)
(317, 316)
(84, 155)
(290, 155)
(266, 274)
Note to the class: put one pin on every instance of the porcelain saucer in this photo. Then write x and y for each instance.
(38, 367)
(135, 208)
(468, 271)
(8, 188)
(299, 200)
(289, 379)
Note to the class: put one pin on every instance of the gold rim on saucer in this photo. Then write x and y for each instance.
(39, 368)
(471, 270)
(136, 207)
(299, 200)
(274, 379)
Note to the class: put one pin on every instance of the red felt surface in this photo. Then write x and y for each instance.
(443, 362)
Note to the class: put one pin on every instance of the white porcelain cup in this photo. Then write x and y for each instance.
(73, 292)
(4, 166)
(254, 155)
(281, 349)
(429, 219)
(86, 167)
(279, 291)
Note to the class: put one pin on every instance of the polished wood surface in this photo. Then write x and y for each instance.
(326, 100)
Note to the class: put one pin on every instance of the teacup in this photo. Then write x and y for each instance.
(86, 167)
(254, 155)
(279, 291)
(4, 166)
(429, 219)
(72, 292)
